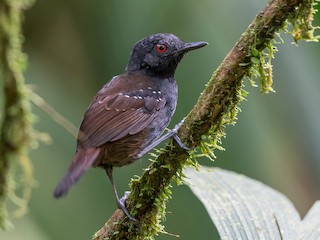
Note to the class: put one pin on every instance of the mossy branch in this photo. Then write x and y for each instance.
(15, 112)
(217, 107)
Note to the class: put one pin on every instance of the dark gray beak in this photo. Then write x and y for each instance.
(192, 46)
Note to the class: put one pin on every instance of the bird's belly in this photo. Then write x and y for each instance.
(122, 151)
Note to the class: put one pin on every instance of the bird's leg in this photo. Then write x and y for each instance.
(120, 202)
(172, 133)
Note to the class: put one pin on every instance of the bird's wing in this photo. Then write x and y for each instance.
(113, 116)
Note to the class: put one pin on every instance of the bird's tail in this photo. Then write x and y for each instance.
(82, 161)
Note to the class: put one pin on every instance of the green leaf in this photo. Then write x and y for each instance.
(255, 60)
(243, 208)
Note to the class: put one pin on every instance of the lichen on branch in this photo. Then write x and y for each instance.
(16, 133)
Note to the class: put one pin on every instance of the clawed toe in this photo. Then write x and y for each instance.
(176, 137)
(122, 205)
(180, 143)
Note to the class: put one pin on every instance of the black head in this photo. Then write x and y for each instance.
(159, 54)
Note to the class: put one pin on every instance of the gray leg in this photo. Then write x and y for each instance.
(172, 133)
(120, 202)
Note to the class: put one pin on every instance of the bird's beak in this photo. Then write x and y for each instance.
(192, 46)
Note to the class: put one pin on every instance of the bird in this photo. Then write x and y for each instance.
(127, 117)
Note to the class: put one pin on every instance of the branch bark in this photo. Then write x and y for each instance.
(215, 108)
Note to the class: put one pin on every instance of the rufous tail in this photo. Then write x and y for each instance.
(82, 161)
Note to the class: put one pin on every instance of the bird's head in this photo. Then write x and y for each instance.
(159, 54)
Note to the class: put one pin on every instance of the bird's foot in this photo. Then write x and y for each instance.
(174, 132)
(122, 205)
(180, 143)
(171, 134)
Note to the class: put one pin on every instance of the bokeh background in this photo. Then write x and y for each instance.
(74, 47)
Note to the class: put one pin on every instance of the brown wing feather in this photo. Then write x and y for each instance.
(113, 116)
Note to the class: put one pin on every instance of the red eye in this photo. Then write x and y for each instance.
(161, 48)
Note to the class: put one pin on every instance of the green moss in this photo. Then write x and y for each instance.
(259, 67)
(16, 133)
(262, 67)
(217, 108)
(299, 25)
(300, 22)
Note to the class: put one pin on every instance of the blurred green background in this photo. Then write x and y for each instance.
(74, 47)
